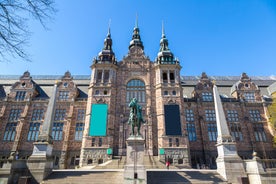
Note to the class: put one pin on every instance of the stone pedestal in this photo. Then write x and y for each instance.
(6, 173)
(40, 162)
(134, 168)
(229, 164)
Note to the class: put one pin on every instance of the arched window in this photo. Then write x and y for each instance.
(136, 89)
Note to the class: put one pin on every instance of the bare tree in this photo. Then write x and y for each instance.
(14, 32)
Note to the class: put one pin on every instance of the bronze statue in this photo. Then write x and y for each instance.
(135, 116)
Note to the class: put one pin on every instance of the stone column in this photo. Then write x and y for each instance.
(40, 162)
(229, 164)
(134, 168)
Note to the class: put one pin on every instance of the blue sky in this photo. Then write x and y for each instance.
(219, 37)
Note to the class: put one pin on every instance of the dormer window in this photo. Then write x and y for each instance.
(207, 97)
(63, 95)
(20, 95)
(249, 96)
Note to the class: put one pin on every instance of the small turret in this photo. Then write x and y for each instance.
(136, 39)
(106, 55)
(165, 56)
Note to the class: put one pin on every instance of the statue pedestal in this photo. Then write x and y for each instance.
(40, 162)
(134, 168)
(229, 164)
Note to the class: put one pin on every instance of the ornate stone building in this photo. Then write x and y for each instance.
(91, 112)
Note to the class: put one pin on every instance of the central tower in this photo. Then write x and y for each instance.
(157, 87)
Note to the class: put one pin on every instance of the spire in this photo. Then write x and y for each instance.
(108, 32)
(136, 39)
(108, 40)
(107, 54)
(165, 56)
(163, 30)
(136, 22)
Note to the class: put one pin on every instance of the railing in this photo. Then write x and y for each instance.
(268, 163)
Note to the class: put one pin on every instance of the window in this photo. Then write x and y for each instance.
(105, 92)
(14, 114)
(20, 95)
(191, 131)
(10, 132)
(81, 115)
(254, 115)
(136, 89)
(166, 93)
(236, 131)
(97, 92)
(171, 76)
(170, 142)
(232, 116)
(189, 113)
(259, 132)
(106, 76)
(210, 115)
(100, 142)
(99, 75)
(165, 77)
(63, 95)
(60, 114)
(79, 131)
(173, 93)
(212, 131)
(33, 131)
(93, 142)
(37, 114)
(57, 131)
(249, 96)
(207, 97)
(177, 142)
(56, 158)
(75, 160)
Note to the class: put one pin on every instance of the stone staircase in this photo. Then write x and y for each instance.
(152, 162)
(113, 172)
(184, 177)
(85, 177)
(115, 163)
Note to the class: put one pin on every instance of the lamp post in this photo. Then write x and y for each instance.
(123, 132)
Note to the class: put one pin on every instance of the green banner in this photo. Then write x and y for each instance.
(98, 120)
(161, 151)
(109, 151)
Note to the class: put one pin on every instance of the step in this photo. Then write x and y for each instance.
(174, 177)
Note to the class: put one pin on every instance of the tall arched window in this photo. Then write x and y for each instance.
(136, 89)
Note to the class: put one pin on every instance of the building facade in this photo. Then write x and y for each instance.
(91, 113)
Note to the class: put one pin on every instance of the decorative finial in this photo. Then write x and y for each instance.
(108, 32)
(163, 30)
(136, 22)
